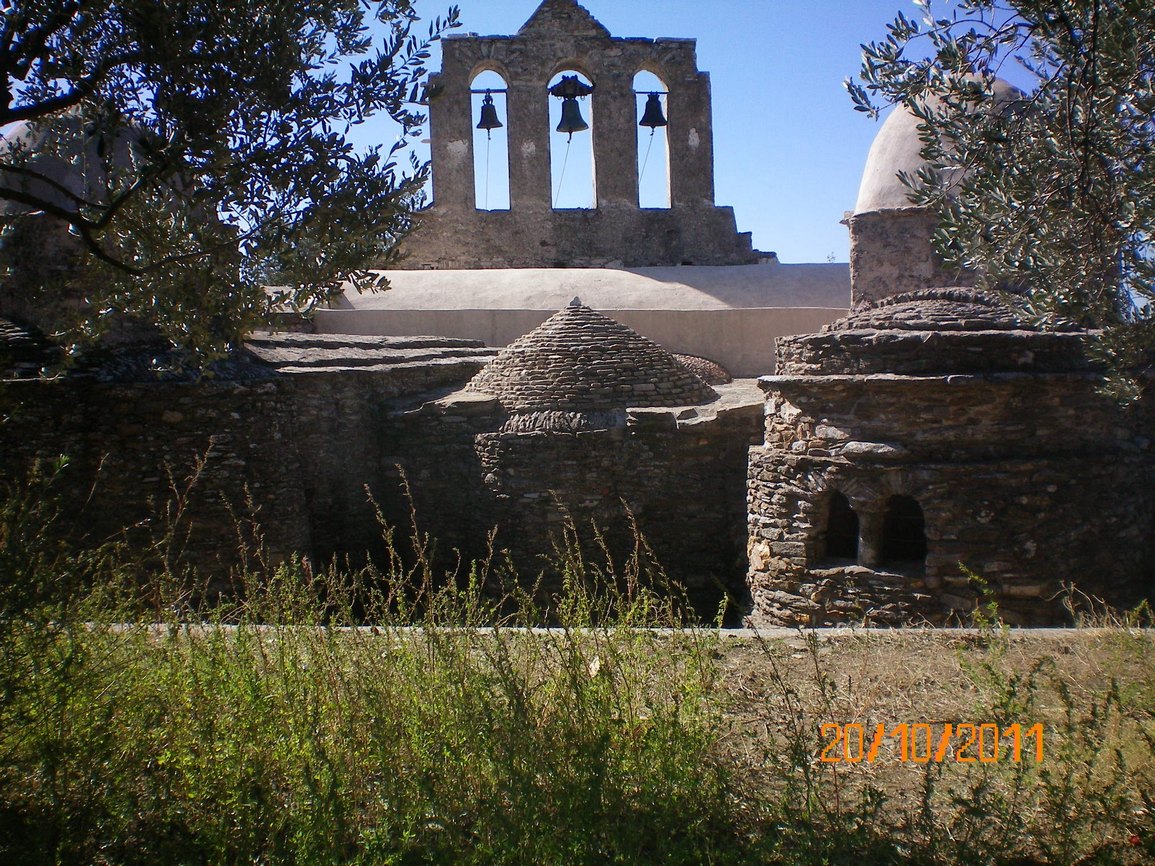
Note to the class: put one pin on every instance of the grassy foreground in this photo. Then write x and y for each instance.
(275, 731)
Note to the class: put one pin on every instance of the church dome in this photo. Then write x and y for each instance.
(581, 361)
(69, 158)
(897, 149)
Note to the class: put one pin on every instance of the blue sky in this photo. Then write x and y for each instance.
(789, 148)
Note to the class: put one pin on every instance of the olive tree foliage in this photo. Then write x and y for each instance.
(213, 139)
(1049, 189)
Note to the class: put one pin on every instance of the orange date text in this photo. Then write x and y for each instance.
(925, 743)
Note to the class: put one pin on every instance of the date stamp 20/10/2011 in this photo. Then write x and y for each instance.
(924, 743)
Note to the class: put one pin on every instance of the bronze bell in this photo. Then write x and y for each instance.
(489, 120)
(653, 116)
(571, 117)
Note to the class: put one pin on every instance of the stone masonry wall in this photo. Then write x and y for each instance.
(604, 237)
(891, 253)
(134, 449)
(299, 449)
(930, 352)
(684, 487)
(300, 454)
(1029, 481)
(683, 482)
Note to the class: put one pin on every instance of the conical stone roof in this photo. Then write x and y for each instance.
(932, 332)
(581, 361)
(944, 309)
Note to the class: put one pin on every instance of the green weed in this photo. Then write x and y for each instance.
(396, 715)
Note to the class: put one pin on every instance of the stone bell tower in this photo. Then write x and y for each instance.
(561, 35)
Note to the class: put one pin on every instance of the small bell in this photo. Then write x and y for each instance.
(571, 117)
(653, 116)
(489, 120)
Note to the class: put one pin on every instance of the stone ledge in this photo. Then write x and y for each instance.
(769, 383)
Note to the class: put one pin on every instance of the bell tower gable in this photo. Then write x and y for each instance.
(566, 17)
(541, 228)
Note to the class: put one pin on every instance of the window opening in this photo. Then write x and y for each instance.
(841, 529)
(652, 103)
(571, 118)
(490, 142)
(903, 531)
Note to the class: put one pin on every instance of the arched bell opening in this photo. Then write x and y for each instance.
(490, 141)
(903, 532)
(571, 150)
(841, 535)
(652, 98)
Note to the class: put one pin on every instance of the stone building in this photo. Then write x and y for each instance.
(731, 314)
(932, 437)
(935, 431)
(682, 275)
(583, 420)
(585, 423)
(929, 428)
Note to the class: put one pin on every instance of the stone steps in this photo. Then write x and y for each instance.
(313, 353)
